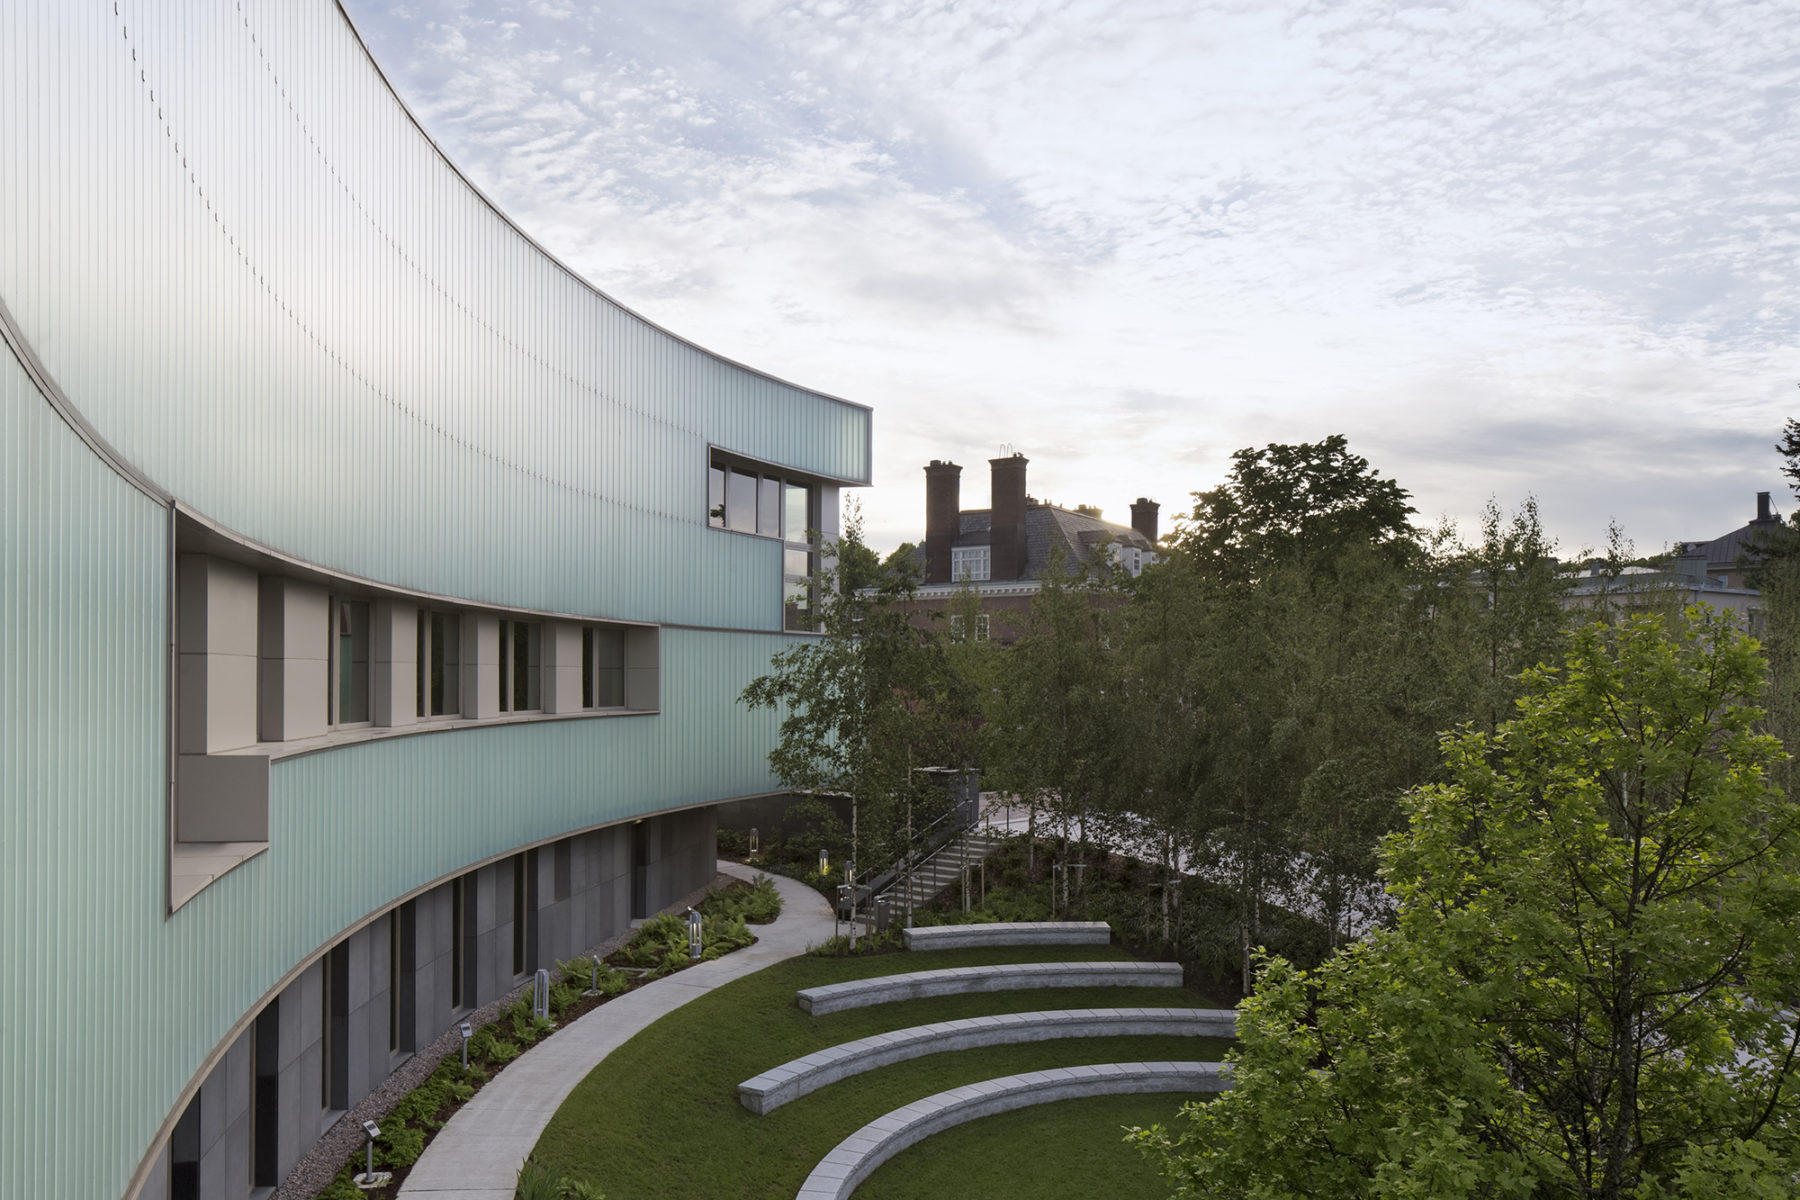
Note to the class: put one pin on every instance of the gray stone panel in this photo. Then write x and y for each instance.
(809, 1073)
(855, 1158)
(956, 981)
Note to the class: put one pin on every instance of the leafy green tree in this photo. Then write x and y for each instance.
(868, 702)
(1048, 705)
(1284, 502)
(1588, 990)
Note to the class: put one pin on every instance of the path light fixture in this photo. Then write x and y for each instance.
(370, 1179)
(824, 862)
(693, 927)
(467, 1032)
(755, 842)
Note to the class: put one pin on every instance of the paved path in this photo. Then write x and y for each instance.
(477, 1155)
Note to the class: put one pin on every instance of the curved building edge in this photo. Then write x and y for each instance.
(224, 639)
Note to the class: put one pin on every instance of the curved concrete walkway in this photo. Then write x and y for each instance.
(477, 1155)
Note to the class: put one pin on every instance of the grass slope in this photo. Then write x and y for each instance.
(660, 1117)
(1070, 1150)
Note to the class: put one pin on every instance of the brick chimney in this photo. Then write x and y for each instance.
(1008, 517)
(943, 517)
(1143, 517)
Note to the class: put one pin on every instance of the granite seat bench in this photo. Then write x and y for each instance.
(798, 1077)
(1008, 933)
(1001, 977)
(855, 1158)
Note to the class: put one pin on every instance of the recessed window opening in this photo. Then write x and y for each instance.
(349, 661)
(462, 939)
(521, 662)
(518, 922)
(602, 668)
(440, 657)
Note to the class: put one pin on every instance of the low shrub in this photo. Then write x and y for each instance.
(399, 1146)
(885, 942)
(756, 902)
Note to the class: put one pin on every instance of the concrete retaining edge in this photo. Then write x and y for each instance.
(1008, 933)
(802, 1076)
(1002, 977)
(855, 1158)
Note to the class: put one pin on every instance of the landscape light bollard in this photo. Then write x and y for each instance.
(466, 1032)
(374, 1131)
(596, 979)
(824, 862)
(850, 882)
(755, 842)
(540, 995)
(693, 924)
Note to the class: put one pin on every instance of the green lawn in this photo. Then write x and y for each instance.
(1070, 1150)
(660, 1117)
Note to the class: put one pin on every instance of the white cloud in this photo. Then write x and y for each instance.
(1519, 248)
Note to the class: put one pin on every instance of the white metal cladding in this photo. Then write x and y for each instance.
(266, 290)
(112, 1008)
(257, 279)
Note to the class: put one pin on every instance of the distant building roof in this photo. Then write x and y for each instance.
(1083, 538)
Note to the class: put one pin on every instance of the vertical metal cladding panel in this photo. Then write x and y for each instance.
(266, 289)
(352, 829)
(82, 607)
(263, 285)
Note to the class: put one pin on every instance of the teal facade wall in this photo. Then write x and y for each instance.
(256, 280)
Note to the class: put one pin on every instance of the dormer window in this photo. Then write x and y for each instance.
(969, 562)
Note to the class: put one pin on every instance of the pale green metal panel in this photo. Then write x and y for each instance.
(82, 940)
(258, 280)
(114, 1007)
(261, 285)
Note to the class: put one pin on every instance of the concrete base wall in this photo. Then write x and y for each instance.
(582, 897)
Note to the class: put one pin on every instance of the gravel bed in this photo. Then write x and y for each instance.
(322, 1163)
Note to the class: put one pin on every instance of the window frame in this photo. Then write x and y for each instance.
(334, 662)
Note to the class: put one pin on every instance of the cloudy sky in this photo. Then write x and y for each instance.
(1507, 249)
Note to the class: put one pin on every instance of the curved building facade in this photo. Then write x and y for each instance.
(376, 593)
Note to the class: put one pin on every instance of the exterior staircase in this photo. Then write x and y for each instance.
(937, 873)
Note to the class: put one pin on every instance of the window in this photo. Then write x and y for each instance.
(748, 499)
(521, 913)
(440, 653)
(959, 627)
(265, 1096)
(334, 1042)
(462, 943)
(740, 502)
(349, 661)
(602, 668)
(715, 496)
(969, 562)
(521, 666)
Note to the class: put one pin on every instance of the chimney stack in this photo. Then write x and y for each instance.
(1143, 517)
(1008, 517)
(943, 517)
(1763, 514)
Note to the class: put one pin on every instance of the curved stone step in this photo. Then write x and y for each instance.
(801, 1076)
(855, 1158)
(1001, 977)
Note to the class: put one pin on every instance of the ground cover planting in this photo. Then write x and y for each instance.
(657, 948)
(660, 1117)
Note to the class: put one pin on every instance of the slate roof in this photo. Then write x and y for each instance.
(1083, 538)
(1722, 552)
